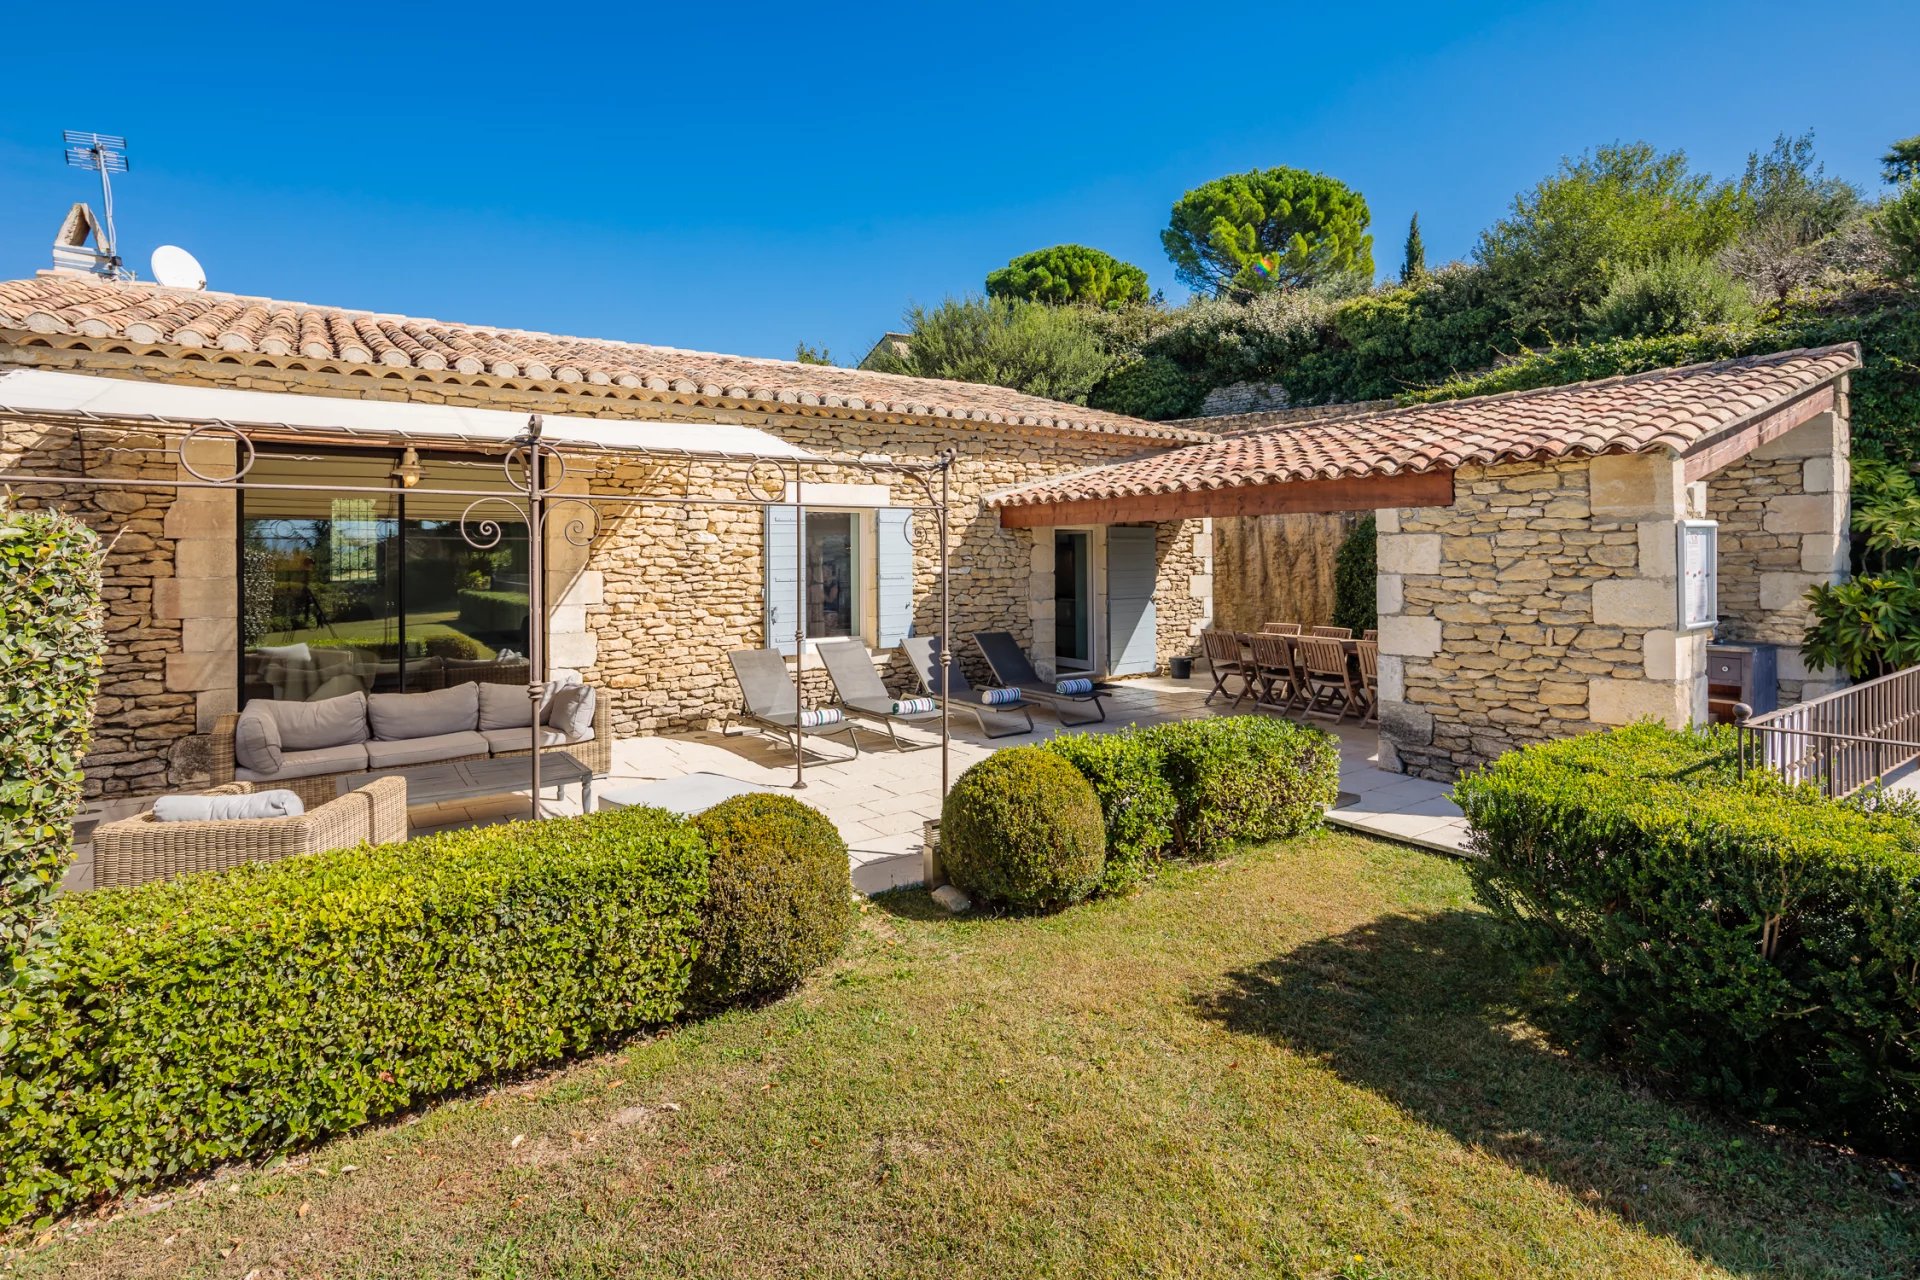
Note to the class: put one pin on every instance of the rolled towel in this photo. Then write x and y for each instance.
(257, 804)
(999, 697)
(912, 706)
(813, 718)
(1077, 685)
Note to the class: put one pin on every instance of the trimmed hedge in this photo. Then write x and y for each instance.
(1022, 827)
(236, 1014)
(1136, 804)
(779, 903)
(50, 646)
(1751, 944)
(1243, 779)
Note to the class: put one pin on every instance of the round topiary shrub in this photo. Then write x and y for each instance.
(779, 904)
(1023, 827)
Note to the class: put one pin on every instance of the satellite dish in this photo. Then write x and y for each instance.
(175, 268)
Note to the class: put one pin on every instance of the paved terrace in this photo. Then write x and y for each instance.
(880, 800)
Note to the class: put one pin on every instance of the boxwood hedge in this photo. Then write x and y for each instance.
(1023, 828)
(1242, 779)
(1750, 943)
(241, 1013)
(1136, 804)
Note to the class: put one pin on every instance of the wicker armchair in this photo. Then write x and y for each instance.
(138, 849)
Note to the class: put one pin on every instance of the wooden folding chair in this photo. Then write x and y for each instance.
(1330, 690)
(1333, 633)
(1370, 633)
(1368, 651)
(1224, 659)
(1281, 628)
(1273, 671)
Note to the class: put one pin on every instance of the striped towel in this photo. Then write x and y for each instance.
(813, 719)
(1079, 684)
(999, 697)
(912, 706)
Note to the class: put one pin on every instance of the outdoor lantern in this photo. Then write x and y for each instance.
(408, 470)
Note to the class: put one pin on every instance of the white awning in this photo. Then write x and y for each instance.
(28, 391)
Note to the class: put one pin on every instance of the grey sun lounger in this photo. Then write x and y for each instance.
(769, 701)
(1011, 668)
(996, 720)
(862, 692)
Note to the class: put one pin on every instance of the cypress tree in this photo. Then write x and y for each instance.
(1416, 263)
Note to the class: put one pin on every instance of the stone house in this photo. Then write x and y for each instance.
(205, 588)
(1550, 561)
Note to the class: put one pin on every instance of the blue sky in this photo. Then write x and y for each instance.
(738, 177)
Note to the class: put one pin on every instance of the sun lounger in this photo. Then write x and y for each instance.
(769, 701)
(864, 694)
(995, 718)
(1011, 668)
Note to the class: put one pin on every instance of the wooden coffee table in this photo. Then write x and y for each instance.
(466, 779)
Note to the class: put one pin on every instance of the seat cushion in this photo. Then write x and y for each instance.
(349, 757)
(256, 741)
(570, 710)
(254, 804)
(504, 706)
(441, 746)
(501, 741)
(311, 726)
(397, 717)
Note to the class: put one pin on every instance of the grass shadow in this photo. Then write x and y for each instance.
(1419, 1009)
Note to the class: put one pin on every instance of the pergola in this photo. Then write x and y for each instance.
(192, 425)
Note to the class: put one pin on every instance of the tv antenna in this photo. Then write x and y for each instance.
(107, 155)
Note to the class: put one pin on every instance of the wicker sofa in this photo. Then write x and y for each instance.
(138, 849)
(317, 780)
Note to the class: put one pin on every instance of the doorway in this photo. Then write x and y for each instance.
(1073, 600)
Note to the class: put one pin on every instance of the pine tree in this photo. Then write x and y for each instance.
(1416, 264)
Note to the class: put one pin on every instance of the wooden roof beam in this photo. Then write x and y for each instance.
(1290, 497)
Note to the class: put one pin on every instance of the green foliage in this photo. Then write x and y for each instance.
(1045, 351)
(1242, 779)
(232, 1015)
(1899, 225)
(778, 902)
(806, 354)
(1886, 512)
(50, 647)
(1901, 163)
(1675, 293)
(1154, 388)
(1023, 827)
(1070, 273)
(1356, 603)
(1867, 626)
(1413, 261)
(1136, 803)
(1748, 943)
(1267, 229)
(1790, 205)
(1553, 257)
(491, 610)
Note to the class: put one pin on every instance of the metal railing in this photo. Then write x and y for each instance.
(1843, 741)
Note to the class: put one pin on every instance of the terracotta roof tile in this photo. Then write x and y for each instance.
(87, 307)
(1673, 409)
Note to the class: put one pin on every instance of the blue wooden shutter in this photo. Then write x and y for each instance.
(1131, 635)
(894, 527)
(782, 578)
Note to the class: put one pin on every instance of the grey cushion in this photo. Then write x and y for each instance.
(570, 710)
(256, 741)
(505, 706)
(399, 716)
(258, 804)
(442, 746)
(310, 726)
(501, 741)
(347, 758)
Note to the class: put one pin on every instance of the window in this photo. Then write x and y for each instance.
(375, 592)
(833, 575)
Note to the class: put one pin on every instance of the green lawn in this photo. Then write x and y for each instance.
(1301, 1062)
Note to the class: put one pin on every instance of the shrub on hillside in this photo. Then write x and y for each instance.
(49, 668)
(1677, 293)
(231, 1015)
(779, 904)
(1136, 803)
(1242, 779)
(1750, 943)
(1023, 827)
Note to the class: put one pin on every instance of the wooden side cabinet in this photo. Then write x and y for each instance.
(1748, 673)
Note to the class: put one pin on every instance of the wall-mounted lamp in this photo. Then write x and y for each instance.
(407, 472)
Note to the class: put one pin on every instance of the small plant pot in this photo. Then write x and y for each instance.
(1180, 668)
